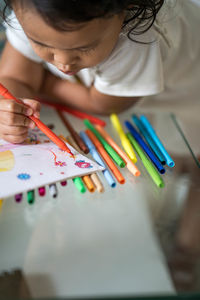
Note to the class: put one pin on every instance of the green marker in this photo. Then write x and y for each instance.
(147, 163)
(79, 184)
(115, 156)
(31, 196)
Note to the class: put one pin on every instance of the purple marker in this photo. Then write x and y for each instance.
(18, 197)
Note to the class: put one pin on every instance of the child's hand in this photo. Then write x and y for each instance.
(14, 121)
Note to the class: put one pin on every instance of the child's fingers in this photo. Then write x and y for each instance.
(35, 105)
(13, 130)
(15, 139)
(13, 119)
(13, 106)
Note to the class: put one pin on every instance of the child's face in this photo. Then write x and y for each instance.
(70, 51)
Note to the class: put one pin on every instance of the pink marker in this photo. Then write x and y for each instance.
(42, 191)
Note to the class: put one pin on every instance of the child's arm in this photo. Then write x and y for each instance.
(22, 77)
(82, 97)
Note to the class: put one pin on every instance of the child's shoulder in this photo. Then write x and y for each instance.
(131, 50)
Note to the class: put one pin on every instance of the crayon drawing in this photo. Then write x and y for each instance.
(83, 164)
(38, 162)
(7, 161)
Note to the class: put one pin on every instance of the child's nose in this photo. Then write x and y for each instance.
(63, 59)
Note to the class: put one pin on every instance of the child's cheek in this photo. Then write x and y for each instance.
(44, 53)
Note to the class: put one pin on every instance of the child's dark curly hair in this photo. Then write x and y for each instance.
(59, 13)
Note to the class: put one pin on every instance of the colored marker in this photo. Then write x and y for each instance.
(76, 113)
(79, 184)
(97, 182)
(148, 138)
(89, 184)
(1, 203)
(42, 191)
(129, 164)
(18, 197)
(86, 178)
(98, 159)
(53, 190)
(31, 196)
(156, 139)
(73, 132)
(63, 183)
(63, 138)
(123, 138)
(115, 156)
(146, 162)
(109, 178)
(7, 95)
(144, 146)
(120, 178)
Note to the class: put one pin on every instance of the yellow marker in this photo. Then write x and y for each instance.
(124, 140)
(63, 138)
(1, 203)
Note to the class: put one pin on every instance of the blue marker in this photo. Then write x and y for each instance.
(149, 139)
(144, 146)
(97, 158)
(154, 136)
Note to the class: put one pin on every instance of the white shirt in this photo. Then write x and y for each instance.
(169, 64)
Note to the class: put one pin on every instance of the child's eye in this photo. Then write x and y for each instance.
(82, 50)
(40, 46)
(86, 50)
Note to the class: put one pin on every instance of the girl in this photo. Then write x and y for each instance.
(119, 49)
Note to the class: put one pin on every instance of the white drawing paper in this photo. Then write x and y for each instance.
(38, 162)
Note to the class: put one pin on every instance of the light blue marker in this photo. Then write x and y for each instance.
(97, 158)
(154, 136)
(149, 139)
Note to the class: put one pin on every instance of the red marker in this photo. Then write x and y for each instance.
(5, 93)
(74, 112)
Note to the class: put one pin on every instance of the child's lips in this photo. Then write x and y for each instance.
(69, 72)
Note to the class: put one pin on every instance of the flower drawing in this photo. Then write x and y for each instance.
(60, 163)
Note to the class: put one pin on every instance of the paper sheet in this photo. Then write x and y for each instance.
(38, 162)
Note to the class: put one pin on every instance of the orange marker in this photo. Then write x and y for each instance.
(89, 183)
(130, 165)
(7, 95)
(106, 157)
